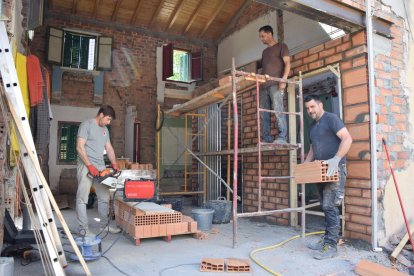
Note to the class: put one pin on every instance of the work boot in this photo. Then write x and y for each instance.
(318, 245)
(327, 252)
(110, 229)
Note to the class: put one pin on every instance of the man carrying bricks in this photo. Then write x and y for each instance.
(275, 63)
(329, 141)
(92, 140)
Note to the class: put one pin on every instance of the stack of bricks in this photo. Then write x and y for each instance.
(139, 224)
(221, 265)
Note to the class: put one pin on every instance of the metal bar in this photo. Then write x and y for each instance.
(158, 147)
(260, 76)
(181, 193)
(228, 146)
(185, 157)
(321, 214)
(236, 147)
(259, 146)
(277, 177)
(264, 213)
(279, 112)
(204, 159)
(302, 152)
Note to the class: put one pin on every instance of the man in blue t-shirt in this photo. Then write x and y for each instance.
(329, 141)
(93, 139)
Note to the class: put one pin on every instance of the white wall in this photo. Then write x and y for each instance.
(300, 34)
(68, 114)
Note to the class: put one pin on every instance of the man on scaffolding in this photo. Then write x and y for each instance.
(275, 63)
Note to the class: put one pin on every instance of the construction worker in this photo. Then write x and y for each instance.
(329, 141)
(275, 63)
(93, 139)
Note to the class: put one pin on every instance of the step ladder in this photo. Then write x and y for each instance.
(40, 190)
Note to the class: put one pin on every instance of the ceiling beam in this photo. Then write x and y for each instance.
(175, 14)
(74, 6)
(233, 21)
(280, 26)
(332, 13)
(116, 9)
(95, 8)
(156, 13)
(193, 16)
(135, 15)
(213, 17)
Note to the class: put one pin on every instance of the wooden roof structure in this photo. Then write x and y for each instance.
(201, 19)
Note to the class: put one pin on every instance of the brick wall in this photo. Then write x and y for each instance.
(134, 86)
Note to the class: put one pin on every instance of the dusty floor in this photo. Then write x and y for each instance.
(182, 255)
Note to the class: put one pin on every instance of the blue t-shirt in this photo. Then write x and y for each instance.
(322, 134)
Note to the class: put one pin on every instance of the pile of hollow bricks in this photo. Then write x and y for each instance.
(220, 265)
(313, 172)
(139, 224)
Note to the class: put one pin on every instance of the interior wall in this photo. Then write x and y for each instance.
(69, 114)
(300, 34)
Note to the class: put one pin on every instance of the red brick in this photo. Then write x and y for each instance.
(359, 61)
(297, 63)
(333, 59)
(302, 69)
(345, 65)
(360, 236)
(316, 64)
(333, 43)
(310, 58)
(353, 192)
(365, 220)
(359, 131)
(359, 150)
(358, 210)
(358, 39)
(326, 53)
(354, 112)
(356, 51)
(356, 227)
(343, 47)
(359, 169)
(316, 49)
(354, 77)
(300, 55)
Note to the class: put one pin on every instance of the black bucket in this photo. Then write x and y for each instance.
(222, 210)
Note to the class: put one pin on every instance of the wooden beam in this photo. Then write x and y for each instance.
(156, 13)
(235, 18)
(74, 6)
(213, 17)
(116, 9)
(135, 15)
(175, 14)
(280, 26)
(95, 8)
(193, 16)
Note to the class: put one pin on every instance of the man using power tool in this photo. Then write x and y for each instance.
(93, 139)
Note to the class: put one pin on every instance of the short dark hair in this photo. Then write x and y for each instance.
(309, 98)
(266, 29)
(107, 110)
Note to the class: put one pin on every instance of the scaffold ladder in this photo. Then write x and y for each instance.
(40, 190)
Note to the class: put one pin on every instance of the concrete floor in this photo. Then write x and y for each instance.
(183, 254)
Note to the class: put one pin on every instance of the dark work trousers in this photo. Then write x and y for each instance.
(272, 97)
(331, 195)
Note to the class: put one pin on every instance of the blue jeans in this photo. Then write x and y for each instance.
(272, 96)
(331, 195)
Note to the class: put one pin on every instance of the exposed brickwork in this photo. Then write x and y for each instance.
(133, 87)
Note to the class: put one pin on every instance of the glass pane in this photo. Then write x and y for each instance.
(181, 66)
(79, 51)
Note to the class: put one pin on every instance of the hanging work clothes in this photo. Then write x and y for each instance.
(35, 80)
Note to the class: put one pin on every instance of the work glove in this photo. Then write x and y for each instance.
(115, 167)
(332, 165)
(93, 171)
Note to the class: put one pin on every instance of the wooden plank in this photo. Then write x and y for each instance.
(403, 242)
(135, 15)
(193, 16)
(116, 9)
(156, 13)
(366, 268)
(209, 97)
(175, 14)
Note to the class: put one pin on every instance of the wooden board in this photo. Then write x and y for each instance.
(213, 96)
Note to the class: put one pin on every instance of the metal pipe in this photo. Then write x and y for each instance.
(259, 146)
(264, 213)
(372, 124)
(302, 155)
(279, 112)
(235, 147)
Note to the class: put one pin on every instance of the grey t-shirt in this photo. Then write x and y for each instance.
(96, 138)
(272, 62)
(322, 133)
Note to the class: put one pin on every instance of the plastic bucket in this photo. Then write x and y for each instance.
(204, 218)
(222, 210)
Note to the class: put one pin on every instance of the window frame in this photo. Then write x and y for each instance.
(59, 161)
(95, 58)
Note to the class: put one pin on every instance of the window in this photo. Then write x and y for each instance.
(79, 50)
(67, 133)
(181, 65)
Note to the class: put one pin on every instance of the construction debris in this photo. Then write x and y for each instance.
(366, 268)
(220, 265)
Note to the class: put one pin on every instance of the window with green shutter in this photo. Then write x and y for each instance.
(67, 133)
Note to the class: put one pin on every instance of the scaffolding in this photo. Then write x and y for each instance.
(241, 82)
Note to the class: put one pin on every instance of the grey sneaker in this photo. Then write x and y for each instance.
(110, 229)
(318, 245)
(280, 141)
(327, 252)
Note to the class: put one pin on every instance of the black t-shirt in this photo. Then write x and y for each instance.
(272, 62)
(322, 133)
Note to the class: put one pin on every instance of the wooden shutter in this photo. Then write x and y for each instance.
(104, 61)
(196, 66)
(55, 45)
(167, 61)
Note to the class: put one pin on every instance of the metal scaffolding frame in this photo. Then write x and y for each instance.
(232, 90)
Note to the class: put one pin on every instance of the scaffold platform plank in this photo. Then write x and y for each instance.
(213, 96)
